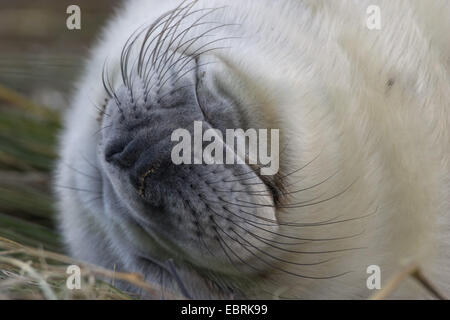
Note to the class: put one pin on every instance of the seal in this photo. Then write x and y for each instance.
(364, 162)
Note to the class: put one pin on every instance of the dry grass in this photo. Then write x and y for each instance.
(30, 273)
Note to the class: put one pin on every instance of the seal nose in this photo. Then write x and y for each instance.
(139, 155)
(145, 161)
(120, 153)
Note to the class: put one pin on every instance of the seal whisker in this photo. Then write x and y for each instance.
(278, 259)
(80, 172)
(77, 189)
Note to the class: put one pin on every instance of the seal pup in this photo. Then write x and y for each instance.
(364, 159)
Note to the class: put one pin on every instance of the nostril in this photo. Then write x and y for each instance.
(116, 154)
(111, 152)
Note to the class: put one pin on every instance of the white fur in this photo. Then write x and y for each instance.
(313, 69)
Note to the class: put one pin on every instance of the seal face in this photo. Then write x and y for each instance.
(190, 209)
